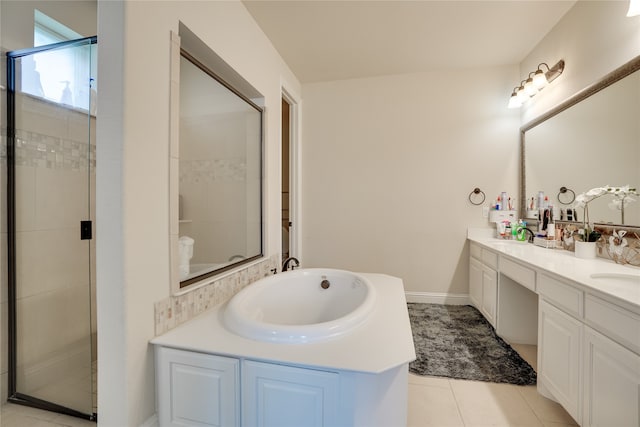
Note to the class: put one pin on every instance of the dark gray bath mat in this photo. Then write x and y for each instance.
(456, 341)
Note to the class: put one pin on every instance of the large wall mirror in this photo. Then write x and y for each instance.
(220, 174)
(590, 140)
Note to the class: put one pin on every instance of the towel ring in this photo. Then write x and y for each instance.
(565, 190)
(477, 191)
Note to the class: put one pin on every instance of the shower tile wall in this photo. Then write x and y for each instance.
(54, 265)
(214, 166)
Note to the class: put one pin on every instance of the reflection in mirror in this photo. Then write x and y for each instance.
(591, 140)
(220, 205)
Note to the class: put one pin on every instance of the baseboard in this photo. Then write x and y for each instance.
(437, 298)
(152, 421)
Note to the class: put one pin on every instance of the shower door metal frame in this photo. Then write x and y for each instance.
(13, 395)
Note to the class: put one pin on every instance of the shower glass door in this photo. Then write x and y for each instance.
(51, 152)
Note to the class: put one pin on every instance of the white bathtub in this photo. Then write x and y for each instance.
(294, 307)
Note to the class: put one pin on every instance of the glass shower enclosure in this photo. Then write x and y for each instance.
(50, 207)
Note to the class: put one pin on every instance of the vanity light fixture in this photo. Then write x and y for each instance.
(535, 82)
(634, 8)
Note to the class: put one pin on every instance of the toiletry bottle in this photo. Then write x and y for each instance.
(504, 200)
(507, 230)
(540, 200)
(551, 231)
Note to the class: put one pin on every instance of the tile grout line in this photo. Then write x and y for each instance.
(455, 399)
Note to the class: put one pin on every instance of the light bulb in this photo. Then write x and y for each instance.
(539, 79)
(521, 95)
(514, 102)
(529, 88)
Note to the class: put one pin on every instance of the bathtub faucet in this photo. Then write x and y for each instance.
(286, 262)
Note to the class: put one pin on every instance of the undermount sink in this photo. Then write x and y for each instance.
(301, 306)
(626, 277)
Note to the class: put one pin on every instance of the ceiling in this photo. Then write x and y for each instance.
(328, 40)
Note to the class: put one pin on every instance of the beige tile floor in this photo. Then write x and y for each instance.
(442, 402)
(438, 402)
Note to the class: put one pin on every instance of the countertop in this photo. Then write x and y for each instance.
(564, 264)
(383, 342)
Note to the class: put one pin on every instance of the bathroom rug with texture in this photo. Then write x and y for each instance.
(456, 341)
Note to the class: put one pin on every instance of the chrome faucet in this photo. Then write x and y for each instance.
(286, 262)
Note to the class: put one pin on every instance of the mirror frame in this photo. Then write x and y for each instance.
(209, 72)
(195, 47)
(609, 79)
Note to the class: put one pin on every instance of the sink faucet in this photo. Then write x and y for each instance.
(286, 262)
(530, 239)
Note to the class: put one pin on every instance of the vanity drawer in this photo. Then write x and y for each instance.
(563, 296)
(490, 259)
(476, 251)
(617, 323)
(521, 274)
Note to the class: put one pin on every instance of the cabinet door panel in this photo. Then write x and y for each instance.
(285, 396)
(475, 283)
(197, 389)
(559, 338)
(489, 294)
(612, 383)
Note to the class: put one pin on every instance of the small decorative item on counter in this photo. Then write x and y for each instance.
(622, 197)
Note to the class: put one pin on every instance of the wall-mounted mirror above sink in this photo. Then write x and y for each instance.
(591, 140)
(216, 165)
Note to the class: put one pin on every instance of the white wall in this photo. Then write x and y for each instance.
(388, 164)
(594, 38)
(133, 177)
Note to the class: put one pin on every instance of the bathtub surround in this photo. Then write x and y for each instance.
(355, 379)
(180, 308)
(455, 341)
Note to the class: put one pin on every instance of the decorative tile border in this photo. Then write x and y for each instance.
(208, 171)
(51, 152)
(177, 309)
(620, 243)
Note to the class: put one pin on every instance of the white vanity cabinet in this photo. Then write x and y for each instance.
(483, 281)
(195, 389)
(588, 329)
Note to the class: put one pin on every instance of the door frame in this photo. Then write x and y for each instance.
(13, 395)
(295, 176)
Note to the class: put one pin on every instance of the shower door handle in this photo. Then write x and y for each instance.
(86, 230)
